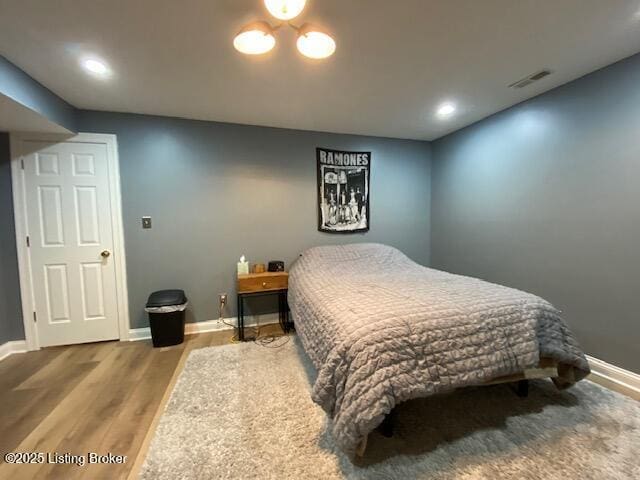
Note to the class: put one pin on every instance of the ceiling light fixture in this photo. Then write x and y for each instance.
(285, 9)
(258, 37)
(313, 43)
(255, 39)
(446, 109)
(96, 67)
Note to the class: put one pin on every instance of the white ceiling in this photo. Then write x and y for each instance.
(396, 60)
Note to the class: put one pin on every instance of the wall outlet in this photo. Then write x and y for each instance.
(222, 303)
(146, 222)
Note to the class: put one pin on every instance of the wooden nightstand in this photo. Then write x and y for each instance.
(258, 284)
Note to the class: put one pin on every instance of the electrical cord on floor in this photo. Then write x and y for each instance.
(234, 338)
(267, 341)
(271, 341)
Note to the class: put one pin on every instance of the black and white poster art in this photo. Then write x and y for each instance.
(343, 191)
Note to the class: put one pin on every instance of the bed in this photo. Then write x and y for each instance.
(381, 329)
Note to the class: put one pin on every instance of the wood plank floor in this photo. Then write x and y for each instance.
(101, 397)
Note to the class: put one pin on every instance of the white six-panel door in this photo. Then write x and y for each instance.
(69, 221)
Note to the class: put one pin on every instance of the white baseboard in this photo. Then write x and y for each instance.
(9, 348)
(136, 334)
(615, 378)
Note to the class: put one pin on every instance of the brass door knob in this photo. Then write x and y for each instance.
(264, 284)
(105, 253)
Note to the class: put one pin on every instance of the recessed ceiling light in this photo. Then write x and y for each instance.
(255, 39)
(285, 9)
(313, 43)
(446, 109)
(96, 67)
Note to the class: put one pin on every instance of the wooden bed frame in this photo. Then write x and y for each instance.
(547, 368)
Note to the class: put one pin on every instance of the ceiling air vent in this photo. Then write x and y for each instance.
(529, 79)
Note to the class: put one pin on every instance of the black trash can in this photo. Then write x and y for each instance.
(166, 317)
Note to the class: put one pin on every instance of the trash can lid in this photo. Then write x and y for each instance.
(163, 298)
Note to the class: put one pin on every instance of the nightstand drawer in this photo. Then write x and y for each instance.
(260, 282)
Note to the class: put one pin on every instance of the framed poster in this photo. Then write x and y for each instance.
(343, 191)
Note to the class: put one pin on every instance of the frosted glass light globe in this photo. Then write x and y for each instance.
(255, 39)
(315, 44)
(285, 9)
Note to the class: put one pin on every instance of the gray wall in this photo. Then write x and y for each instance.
(545, 197)
(17, 85)
(10, 308)
(217, 191)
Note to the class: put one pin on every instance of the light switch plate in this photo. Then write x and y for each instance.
(146, 222)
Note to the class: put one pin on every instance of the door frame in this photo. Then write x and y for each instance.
(22, 230)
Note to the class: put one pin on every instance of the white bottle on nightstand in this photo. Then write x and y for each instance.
(243, 266)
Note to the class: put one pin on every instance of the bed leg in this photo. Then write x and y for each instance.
(386, 427)
(522, 388)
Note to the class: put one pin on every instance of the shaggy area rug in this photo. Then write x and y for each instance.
(244, 411)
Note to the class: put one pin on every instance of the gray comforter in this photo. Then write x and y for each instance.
(382, 329)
